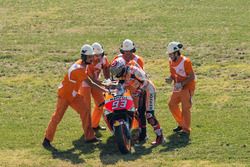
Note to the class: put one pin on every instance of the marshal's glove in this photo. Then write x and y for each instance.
(178, 86)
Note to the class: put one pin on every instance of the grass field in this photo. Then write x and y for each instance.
(39, 40)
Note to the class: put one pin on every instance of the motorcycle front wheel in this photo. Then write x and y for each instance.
(123, 139)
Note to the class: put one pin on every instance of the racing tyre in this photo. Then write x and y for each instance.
(123, 139)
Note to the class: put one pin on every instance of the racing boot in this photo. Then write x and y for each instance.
(159, 138)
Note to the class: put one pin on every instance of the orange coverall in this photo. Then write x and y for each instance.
(68, 96)
(94, 71)
(179, 71)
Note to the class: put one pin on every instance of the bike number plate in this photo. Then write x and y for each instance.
(119, 104)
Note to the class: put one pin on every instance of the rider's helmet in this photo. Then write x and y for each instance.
(118, 67)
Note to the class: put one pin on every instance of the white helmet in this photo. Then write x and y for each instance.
(173, 47)
(98, 49)
(87, 50)
(118, 67)
(128, 45)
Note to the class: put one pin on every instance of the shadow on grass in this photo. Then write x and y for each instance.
(110, 153)
(74, 154)
(175, 141)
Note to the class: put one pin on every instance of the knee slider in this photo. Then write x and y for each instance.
(150, 118)
(150, 112)
(149, 115)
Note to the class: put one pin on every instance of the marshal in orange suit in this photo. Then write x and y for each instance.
(100, 64)
(68, 95)
(182, 74)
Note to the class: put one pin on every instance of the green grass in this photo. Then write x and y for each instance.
(39, 40)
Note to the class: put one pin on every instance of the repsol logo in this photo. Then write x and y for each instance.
(120, 97)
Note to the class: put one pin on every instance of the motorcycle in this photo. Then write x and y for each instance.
(119, 114)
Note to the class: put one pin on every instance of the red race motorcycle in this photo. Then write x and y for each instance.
(119, 114)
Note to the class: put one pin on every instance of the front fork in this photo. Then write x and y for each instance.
(122, 122)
